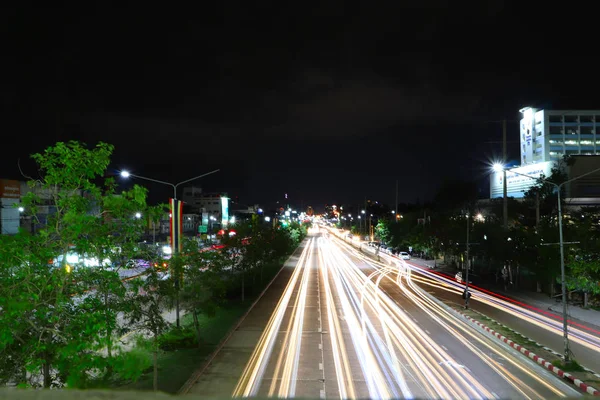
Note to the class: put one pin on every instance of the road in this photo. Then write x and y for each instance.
(539, 325)
(348, 327)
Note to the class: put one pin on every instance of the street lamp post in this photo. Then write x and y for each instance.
(467, 264)
(365, 222)
(497, 168)
(176, 240)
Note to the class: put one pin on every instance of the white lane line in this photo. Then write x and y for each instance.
(320, 366)
(427, 332)
(444, 347)
(320, 346)
(322, 393)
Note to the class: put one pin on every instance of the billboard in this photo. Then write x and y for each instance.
(224, 211)
(518, 180)
(10, 189)
(527, 131)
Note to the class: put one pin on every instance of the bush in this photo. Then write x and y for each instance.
(129, 366)
(178, 338)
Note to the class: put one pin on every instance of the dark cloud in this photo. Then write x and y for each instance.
(392, 87)
(359, 108)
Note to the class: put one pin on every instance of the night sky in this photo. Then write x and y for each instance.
(326, 101)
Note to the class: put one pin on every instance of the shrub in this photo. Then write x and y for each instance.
(129, 366)
(177, 338)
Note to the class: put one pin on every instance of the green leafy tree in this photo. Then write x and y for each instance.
(58, 316)
(382, 230)
(204, 284)
(583, 259)
(147, 300)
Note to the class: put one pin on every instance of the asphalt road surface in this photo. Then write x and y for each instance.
(539, 325)
(339, 325)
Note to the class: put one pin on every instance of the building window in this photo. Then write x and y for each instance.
(556, 130)
(571, 118)
(571, 131)
(555, 118)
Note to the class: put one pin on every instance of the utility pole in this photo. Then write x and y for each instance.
(504, 188)
(396, 207)
(558, 187)
(467, 264)
(537, 209)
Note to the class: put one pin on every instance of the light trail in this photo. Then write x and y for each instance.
(580, 336)
(253, 374)
(379, 350)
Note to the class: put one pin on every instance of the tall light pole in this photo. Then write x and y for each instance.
(175, 216)
(467, 264)
(504, 184)
(396, 206)
(364, 217)
(558, 187)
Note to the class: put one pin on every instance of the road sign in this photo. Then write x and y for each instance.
(203, 229)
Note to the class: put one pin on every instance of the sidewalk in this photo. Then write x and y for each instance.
(538, 300)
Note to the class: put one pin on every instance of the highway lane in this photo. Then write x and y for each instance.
(542, 327)
(347, 327)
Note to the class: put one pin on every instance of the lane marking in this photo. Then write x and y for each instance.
(320, 366)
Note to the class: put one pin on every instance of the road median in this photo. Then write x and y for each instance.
(544, 356)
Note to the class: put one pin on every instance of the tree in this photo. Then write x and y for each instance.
(60, 295)
(382, 230)
(204, 283)
(146, 301)
(545, 193)
(583, 260)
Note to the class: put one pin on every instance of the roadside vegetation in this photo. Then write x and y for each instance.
(68, 319)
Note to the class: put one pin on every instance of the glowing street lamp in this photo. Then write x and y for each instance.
(175, 223)
(138, 215)
(499, 167)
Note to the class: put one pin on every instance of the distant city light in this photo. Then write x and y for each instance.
(267, 219)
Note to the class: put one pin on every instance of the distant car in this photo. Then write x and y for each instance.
(404, 255)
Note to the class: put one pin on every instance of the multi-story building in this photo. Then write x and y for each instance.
(209, 205)
(10, 195)
(545, 136)
(548, 135)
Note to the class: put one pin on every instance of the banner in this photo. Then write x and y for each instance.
(176, 224)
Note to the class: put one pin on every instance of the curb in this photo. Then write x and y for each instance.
(565, 375)
(198, 373)
(560, 373)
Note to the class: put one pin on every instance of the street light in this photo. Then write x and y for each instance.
(175, 240)
(497, 167)
(501, 168)
(127, 174)
(138, 215)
